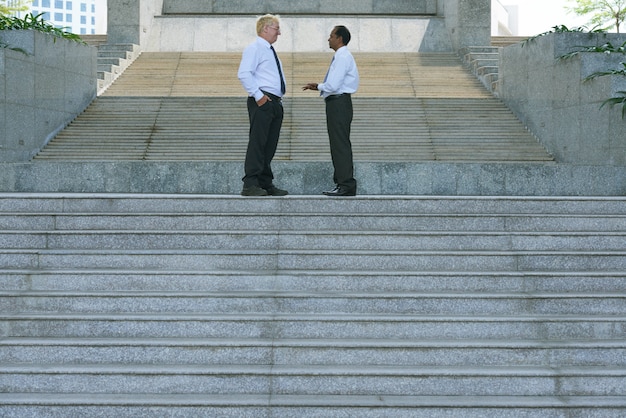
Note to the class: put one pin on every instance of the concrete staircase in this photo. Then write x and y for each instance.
(196, 305)
(113, 59)
(189, 106)
(482, 61)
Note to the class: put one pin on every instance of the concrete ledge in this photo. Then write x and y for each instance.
(302, 34)
(352, 7)
(310, 178)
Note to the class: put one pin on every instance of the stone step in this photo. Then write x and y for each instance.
(260, 351)
(365, 406)
(272, 222)
(298, 240)
(319, 326)
(113, 59)
(364, 260)
(93, 280)
(316, 380)
(504, 41)
(309, 178)
(314, 303)
(140, 204)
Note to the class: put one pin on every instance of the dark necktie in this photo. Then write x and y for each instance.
(280, 73)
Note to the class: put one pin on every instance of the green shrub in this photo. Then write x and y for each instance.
(36, 22)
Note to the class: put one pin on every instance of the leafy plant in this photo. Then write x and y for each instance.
(607, 48)
(603, 12)
(613, 101)
(619, 71)
(7, 46)
(7, 8)
(563, 29)
(36, 22)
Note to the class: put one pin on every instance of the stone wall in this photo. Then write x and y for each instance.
(130, 22)
(299, 34)
(316, 7)
(41, 89)
(308, 178)
(551, 97)
(377, 25)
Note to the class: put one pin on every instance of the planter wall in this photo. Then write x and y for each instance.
(42, 89)
(549, 95)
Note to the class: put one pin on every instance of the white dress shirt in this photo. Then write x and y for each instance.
(343, 75)
(258, 70)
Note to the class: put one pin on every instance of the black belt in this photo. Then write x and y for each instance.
(272, 96)
(335, 96)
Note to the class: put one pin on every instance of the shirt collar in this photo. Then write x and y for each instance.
(263, 42)
(341, 50)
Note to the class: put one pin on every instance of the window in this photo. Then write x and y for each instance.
(83, 7)
(36, 3)
(45, 3)
(46, 16)
(68, 5)
(58, 17)
(68, 18)
(58, 4)
(83, 20)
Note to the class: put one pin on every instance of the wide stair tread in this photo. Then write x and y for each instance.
(132, 304)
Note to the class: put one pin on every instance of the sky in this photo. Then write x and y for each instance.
(538, 16)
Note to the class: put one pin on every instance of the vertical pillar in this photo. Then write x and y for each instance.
(130, 21)
(468, 22)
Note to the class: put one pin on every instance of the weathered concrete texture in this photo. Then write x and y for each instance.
(549, 94)
(352, 7)
(425, 26)
(43, 86)
(130, 22)
(302, 34)
(468, 22)
(314, 177)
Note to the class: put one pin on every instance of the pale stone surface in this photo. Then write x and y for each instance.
(302, 34)
(300, 6)
(312, 178)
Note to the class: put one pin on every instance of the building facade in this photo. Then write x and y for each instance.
(82, 17)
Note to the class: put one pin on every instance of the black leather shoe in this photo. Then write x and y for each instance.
(340, 191)
(275, 191)
(253, 191)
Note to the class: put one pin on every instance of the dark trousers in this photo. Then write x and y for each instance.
(338, 121)
(265, 124)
